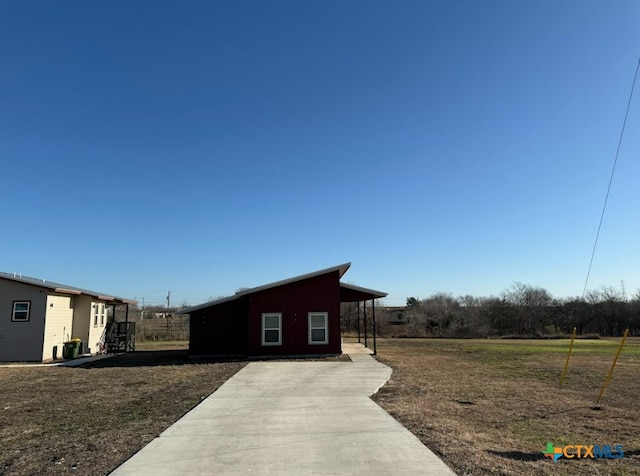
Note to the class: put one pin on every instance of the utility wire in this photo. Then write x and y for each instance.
(613, 171)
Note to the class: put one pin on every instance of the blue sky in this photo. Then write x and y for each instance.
(200, 147)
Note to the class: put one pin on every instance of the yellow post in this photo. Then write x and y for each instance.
(606, 381)
(566, 365)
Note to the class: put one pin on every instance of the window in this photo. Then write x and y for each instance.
(95, 315)
(318, 328)
(21, 311)
(102, 306)
(272, 329)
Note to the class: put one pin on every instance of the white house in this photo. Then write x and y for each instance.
(38, 316)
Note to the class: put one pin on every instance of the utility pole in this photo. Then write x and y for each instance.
(168, 305)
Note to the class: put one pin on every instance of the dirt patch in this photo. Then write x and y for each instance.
(489, 407)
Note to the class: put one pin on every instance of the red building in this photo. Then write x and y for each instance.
(297, 316)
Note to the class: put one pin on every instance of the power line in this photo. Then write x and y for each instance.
(613, 170)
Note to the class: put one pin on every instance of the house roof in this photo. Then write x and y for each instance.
(341, 268)
(64, 288)
(352, 293)
(348, 292)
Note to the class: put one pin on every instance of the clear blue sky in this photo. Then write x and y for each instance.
(202, 146)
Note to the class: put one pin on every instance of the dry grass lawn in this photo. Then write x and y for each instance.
(489, 407)
(89, 420)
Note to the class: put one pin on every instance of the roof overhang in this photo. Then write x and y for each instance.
(352, 293)
(67, 291)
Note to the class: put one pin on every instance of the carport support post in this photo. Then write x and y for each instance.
(358, 318)
(373, 315)
(364, 317)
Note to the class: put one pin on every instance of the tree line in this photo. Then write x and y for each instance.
(520, 311)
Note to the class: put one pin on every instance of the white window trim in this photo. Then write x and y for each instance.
(95, 314)
(325, 327)
(13, 314)
(270, 314)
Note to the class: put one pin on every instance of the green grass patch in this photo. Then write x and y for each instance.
(527, 347)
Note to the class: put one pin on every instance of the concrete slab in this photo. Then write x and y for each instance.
(290, 418)
(354, 348)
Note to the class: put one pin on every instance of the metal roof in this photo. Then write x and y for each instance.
(348, 292)
(63, 288)
(352, 293)
(341, 269)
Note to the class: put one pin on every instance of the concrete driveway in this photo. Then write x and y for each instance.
(291, 418)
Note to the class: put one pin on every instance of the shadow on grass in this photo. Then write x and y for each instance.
(157, 358)
(518, 455)
(153, 358)
(521, 456)
(630, 453)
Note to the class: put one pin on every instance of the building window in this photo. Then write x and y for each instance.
(272, 329)
(21, 311)
(102, 306)
(95, 314)
(318, 328)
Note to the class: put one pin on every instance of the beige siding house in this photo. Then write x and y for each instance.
(37, 317)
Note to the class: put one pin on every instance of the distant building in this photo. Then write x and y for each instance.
(395, 316)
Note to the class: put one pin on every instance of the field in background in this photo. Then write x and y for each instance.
(162, 329)
(489, 407)
(163, 345)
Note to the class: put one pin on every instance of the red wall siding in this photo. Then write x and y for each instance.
(295, 301)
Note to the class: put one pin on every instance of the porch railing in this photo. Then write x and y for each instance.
(120, 337)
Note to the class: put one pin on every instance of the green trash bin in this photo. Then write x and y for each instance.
(71, 349)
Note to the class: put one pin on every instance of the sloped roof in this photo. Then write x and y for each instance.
(64, 288)
(352, 293)
(348, 292)
(341, 269)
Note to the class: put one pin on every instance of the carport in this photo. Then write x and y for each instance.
(351, 293)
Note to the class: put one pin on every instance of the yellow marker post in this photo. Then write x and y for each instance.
(606, 381)
(566, 365)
